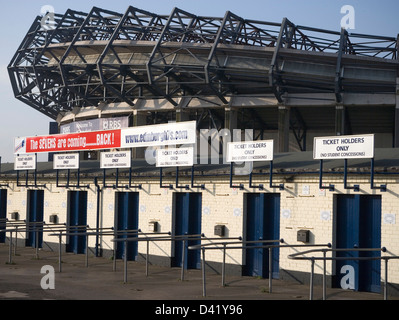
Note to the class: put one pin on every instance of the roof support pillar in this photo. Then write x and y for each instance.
(230, 121)
(283, 128)
(339, 120)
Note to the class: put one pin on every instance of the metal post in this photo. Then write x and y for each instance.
(324, 275)
(224, 266)
(147, 257)
(37, 242)
(10, 251)
(311, 279)
(125, 264)
(183, 260)
(203, 274)
(59, 252)
(114, 254)
(16, 240)
(270, 269)
(87, 250)
(386, 280)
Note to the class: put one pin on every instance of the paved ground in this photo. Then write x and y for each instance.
(21, 280)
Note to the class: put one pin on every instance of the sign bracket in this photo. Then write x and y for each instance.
(356, 187)
(117, 185)
(202, 186)
(240, 186)
(27, 185)
(383, 187)
(260, 186)
(280, 186)
(170, 186)
(131, 186)
(187, 187)
(68, 185)
(331, 187)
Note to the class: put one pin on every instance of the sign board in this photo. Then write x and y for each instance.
(250, 151)
(160, 135)
(344, 147)
(95, 125)
(66, 161)
(175, 157)
(115, 160)
(26, 162)
(69, 142)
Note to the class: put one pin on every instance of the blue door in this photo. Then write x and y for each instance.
(77, 221)
(3, 214)
(35, 206)
(127, 218)
(262, 223)
(187, 221)
(358, 224)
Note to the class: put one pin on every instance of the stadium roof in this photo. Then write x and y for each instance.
(183, 60)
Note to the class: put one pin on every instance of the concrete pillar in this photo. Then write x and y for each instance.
(283, 128)
(230, 119)
(340, 120)
(182, 116)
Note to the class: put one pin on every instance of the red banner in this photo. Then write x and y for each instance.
(74, 142)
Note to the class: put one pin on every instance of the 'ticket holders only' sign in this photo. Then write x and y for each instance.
(344, 147)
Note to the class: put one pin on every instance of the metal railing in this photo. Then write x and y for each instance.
(324, 258)
(183, 238)
(87, 232)
(28, 227)
(243, 245)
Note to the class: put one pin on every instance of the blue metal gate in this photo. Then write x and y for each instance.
(77, 217)
(358, 225)
(3, 214)
(127, 218)
(35, 212)
(187, 221)
(262, 223)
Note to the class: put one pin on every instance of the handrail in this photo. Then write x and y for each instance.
(299, 256)
(205, 247)
(184, 238)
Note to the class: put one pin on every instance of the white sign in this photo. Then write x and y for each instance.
(66, 161)
(181, 157)
(344, 147)
(111, 160)
(19, 145)
(250, 151)
(27, 162)
(160, 135)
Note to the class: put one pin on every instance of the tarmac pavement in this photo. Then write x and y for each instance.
(98, 281)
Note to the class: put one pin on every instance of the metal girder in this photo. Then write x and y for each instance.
(106, 56)
(299, 128)
(230, 28)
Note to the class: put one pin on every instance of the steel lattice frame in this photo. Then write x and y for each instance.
(106, 56)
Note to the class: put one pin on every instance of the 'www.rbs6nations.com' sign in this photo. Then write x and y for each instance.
(344, 147)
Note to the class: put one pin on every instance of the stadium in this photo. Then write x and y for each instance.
(137, 82)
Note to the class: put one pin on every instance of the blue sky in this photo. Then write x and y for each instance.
(17, 119)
